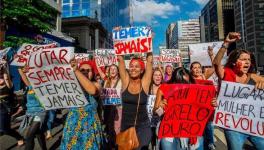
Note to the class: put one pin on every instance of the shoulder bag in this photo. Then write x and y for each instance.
(128, 140)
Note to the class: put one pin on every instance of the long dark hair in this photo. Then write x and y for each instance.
(233, 57)
(193, 63)
(152, 81)
(177, 76)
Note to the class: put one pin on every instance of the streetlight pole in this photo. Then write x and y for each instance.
(242, 24)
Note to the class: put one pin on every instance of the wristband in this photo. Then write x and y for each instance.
(225, 46)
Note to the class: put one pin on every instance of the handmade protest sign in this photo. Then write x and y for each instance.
(154, 119)
(150, 105)
(26, 49)
(53, 79)
(187, 111)
(132, 40)
(105, 57)
(3, 52)
(170, 55)
(156, 61)
(111, 96)
(198, 52)
(240, 108)
(80, 57)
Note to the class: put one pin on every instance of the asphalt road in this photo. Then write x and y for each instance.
(10, 143)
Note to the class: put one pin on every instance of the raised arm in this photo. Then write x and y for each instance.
(24, 78)
(101, 73)
(161, 70)
(210, 71)
(123, 72)
(146, 80)
(231, 37)
(180, 63)
(87, 85)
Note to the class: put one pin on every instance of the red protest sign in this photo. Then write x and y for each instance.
(188, 109)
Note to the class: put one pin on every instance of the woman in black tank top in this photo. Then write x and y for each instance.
(134, 82)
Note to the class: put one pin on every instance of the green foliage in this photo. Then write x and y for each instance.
(14, 41)
(27, 16)
(34, 14)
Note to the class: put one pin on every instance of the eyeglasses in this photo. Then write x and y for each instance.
(86, 70)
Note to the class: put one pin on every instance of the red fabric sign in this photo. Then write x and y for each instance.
(188, 109)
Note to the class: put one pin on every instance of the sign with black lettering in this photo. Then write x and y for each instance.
(198, 52)
(240, 108)
(188, 109)
(53, 79)
(150, 105)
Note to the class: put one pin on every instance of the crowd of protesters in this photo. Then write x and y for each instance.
(96, 126)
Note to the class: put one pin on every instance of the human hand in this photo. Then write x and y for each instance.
(74, 64)
(210, 51)
(232, 37)
(163, 103)
(259, 85)
(214, 102)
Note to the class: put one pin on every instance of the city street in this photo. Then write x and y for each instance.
(54, 143)
(120, 67)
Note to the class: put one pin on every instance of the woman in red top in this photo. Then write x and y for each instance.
(238, 69)
(196, 68)
(199, 77)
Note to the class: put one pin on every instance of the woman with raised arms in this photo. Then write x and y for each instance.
(238, 69)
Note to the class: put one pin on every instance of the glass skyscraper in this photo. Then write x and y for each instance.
(77, 8)
(111, 13)
(115, 13)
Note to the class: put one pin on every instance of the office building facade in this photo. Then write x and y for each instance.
(249, 21)
(171, 36)
(182, 33)
(217, 20)
(78, 8)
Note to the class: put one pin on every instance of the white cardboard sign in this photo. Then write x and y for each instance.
(241, 108)
(53, 79)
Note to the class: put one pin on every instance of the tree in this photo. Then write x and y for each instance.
(26, 16)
